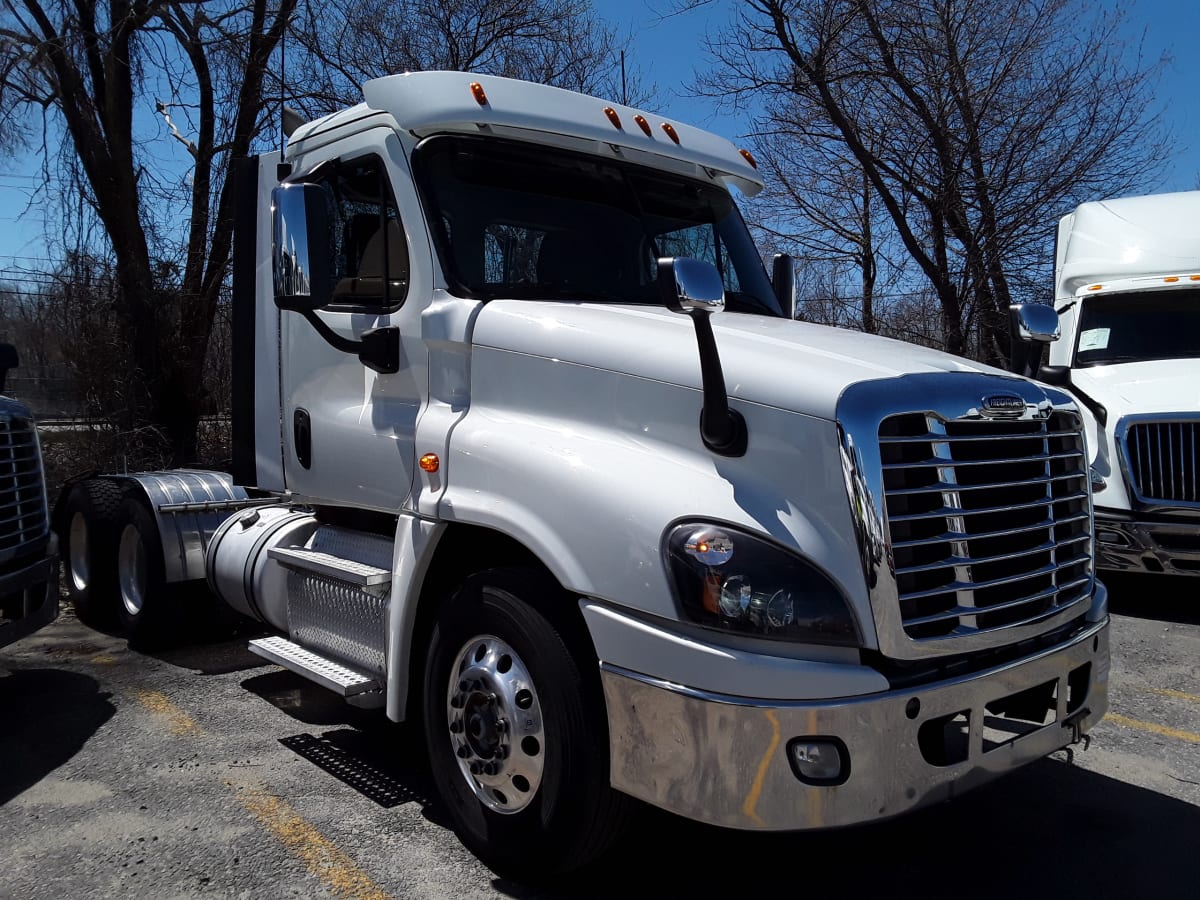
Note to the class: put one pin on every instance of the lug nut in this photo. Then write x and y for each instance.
(456, 726)
(457, 701)
(476, 768)
(464, 751)
(464, 685)
(491, 768)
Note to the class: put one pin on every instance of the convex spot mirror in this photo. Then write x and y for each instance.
(1035, 322)
(303, 247)
(690, 285)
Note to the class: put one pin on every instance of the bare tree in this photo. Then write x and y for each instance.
(88, 64)
(557, 42)
(973, 122)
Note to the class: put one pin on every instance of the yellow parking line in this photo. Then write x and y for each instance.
(1178, 695)
(322, 857)
(160, 704)
(1189, 736)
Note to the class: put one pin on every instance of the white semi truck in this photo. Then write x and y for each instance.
(1127, 294)
(529, 449)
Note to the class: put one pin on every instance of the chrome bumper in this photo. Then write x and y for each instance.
(724, 760)
(1125, 545)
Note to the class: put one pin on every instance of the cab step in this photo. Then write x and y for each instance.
(317, 562)
(358, 688)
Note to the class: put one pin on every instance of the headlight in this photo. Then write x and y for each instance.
(728, 579)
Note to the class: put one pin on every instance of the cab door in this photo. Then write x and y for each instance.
(348, 413)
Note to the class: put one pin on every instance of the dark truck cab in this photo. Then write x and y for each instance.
(28, 548)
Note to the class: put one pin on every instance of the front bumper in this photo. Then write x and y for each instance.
(1124, 544)
(724, 760)
(29, 596)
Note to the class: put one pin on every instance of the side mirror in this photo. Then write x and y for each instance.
(303, 247)
(8, 360)
(783, 280)
(689, 285)
(1032, 326)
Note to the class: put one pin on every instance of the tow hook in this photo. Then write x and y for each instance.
(1075, 723)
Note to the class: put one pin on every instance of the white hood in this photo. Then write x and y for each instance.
(776, 362)
(1157, 386)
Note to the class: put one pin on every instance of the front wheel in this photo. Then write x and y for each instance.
(516, 729)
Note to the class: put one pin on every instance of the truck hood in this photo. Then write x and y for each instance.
(777, 362)
(1157, 386)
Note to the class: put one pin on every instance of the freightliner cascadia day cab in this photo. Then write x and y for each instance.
(29, 570)
(1127, 295)
(529, 449)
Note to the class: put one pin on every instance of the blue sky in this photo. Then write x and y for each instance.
(669, 50)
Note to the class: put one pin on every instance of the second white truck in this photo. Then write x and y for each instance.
(529, 449)
(1127, 295)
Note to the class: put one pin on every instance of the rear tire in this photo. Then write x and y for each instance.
(142, 607)
(89, 536)
(516, 728)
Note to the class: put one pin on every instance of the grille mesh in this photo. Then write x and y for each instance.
(1164, 460)
(22, 499)
(988, 520)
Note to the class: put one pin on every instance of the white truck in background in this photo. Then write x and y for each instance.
(29, 567)
(1127, 294)
(529, 449)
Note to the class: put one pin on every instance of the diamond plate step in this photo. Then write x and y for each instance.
(317, 563)
(325, 672)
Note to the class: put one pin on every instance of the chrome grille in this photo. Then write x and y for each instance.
(22, 495)
(988, 520)
(1163, 460)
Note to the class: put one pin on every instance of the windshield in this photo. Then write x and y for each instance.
(1133, 327)
(526, 221)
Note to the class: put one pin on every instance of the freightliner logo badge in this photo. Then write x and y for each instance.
(1003, 406)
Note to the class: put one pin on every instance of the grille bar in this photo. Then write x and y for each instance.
(944, 511)
(955, 586)
(967, 612)
(937, 461)
(1162, 459)
(23, 517)
(1002, 532)
(941, 488)
(952, 561)
(990, 438)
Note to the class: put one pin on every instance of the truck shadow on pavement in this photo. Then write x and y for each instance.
(1051, 830)
(47, 715)
(1165, 598)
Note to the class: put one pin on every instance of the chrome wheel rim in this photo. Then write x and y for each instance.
(494, 718)
(133, 571)
(77, 554)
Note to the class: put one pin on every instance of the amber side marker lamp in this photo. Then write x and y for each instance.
(670, 130)
(748, 157)
(612, 116)
(643, 124)
(430, 462)
(478, 93)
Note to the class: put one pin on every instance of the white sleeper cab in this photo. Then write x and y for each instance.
(1126, 346)
(529, 448)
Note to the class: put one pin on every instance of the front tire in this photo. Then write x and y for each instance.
(516, 729)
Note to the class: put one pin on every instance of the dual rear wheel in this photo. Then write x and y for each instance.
(114, 561)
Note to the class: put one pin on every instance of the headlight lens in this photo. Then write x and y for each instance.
(728, 579)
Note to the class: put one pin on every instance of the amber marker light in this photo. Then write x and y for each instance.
(430, 462)
(643, 124)
(748, 157)
(1171, 279)
(1095, 287)
(612, 116)
(1194, 278)
(478, 94)
(670, 130)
